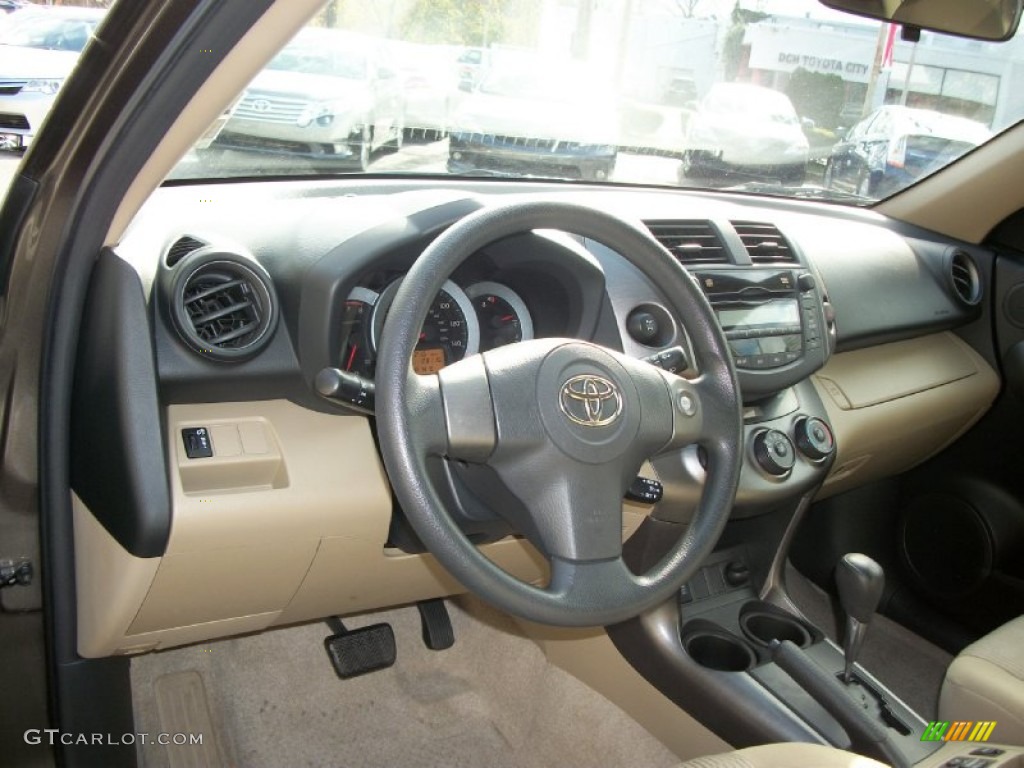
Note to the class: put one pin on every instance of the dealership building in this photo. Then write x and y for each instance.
(953, 75)
(659, 57)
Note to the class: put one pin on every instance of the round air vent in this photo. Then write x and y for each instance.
(223, 305)
(965, 278)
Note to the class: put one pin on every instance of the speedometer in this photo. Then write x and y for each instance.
(450, 330)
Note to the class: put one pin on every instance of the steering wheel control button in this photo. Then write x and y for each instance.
(645, 491)
(814, 438)
(197, 442)
(687, 404)
(672, 360)
(591, 400)
(774, 452)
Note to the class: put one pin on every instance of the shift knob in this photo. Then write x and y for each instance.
(860, 581)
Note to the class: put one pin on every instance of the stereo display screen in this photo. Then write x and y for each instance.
(768, 315)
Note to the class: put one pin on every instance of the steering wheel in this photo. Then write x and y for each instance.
(565, 424)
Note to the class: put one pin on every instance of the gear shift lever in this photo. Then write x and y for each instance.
(860, 581)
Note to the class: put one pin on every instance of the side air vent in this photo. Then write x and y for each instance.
(223, 305)
(764, 242)
(692, 242)
(181, 248)
(965, 278)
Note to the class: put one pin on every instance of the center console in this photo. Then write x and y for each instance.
(731, 648)
(720, 652)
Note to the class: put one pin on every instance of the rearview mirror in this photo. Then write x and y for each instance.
(994, 20)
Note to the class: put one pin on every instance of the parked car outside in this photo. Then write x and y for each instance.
(744, 132)
(895, 146)
(534, 116)
(429, 77)
(328, 95)
(39, 46)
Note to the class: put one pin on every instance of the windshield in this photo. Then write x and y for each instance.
(541, 81)
(321, 55)
(780, 97)
(47, 31)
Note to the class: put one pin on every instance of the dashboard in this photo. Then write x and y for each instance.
(855, 340)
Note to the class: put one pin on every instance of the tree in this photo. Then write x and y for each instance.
(817, 95)
(687, 7)
(732, 47)
(455, 22)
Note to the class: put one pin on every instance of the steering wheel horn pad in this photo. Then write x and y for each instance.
(588, 403)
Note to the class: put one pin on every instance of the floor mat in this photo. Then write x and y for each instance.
(183, 708)
(490, 700)
(906, 663)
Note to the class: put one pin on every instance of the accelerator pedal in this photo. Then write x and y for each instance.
(355, 652)
(438, 634)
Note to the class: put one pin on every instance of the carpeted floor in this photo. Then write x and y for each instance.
(491, 700)
(907, 664)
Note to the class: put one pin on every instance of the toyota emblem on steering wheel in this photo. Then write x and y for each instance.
(590, 400)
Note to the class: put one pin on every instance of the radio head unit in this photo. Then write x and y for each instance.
(773, 321)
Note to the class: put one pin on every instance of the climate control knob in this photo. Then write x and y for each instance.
(774, 452)
(814, 438)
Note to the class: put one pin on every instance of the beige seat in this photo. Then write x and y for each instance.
(785, 756)
(986, 682)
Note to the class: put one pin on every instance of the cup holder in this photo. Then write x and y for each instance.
(717, 649)
(763, 624)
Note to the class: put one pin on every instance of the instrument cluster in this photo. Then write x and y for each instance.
(460, 322)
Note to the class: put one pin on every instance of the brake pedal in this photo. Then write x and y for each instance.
(438, 634)
(355, 652)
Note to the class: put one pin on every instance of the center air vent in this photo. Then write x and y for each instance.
(691, 242)
(964, 277)
(764, 242)
(223, 305)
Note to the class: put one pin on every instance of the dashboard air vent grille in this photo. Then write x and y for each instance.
(964, 276)
(223, 308)
(764, 242)
(181, 248)
(691, 242)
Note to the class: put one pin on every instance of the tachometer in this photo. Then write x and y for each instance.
(449, 333)
(504, 318)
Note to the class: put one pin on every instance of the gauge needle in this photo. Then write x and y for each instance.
(351, 357)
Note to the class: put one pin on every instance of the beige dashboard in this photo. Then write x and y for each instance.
(287, 522)
(894, 405)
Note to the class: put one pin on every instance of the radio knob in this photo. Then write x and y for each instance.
(814, 438)
(774, 452)
(806, 282)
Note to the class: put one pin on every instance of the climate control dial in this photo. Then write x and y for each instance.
(774, 452)
(814, 438)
